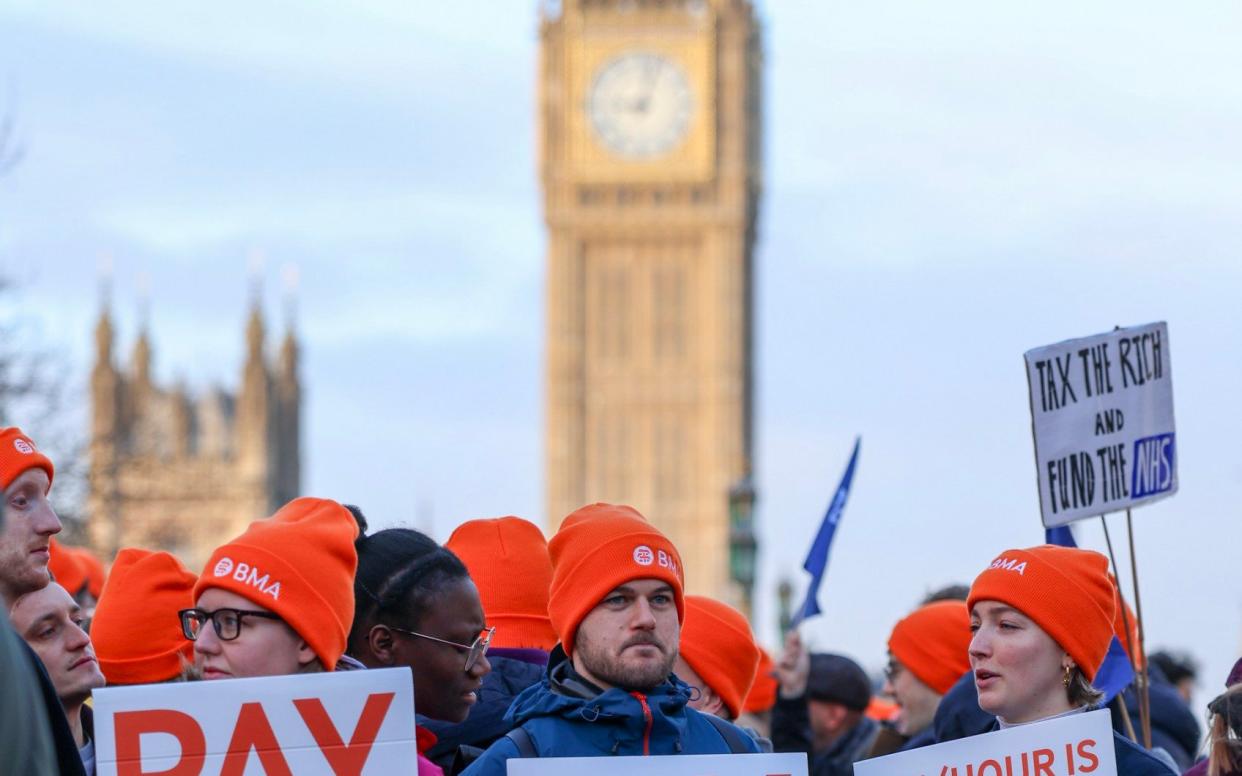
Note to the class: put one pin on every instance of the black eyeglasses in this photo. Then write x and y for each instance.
(475, 650)
(892, 669)
(227, 622)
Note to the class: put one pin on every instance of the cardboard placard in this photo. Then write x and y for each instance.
(349, 722)
(1102, 417)
(1077, 745)
(674, 765)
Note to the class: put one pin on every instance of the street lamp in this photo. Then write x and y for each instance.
(742, 544)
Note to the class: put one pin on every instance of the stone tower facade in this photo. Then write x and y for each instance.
(180, 473)
(650, 163)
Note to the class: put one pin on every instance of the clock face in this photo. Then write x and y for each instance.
(640, 105)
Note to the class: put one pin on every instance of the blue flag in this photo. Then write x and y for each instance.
(817, 557)
(1116, 673)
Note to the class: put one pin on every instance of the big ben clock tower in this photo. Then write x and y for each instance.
(649, 135)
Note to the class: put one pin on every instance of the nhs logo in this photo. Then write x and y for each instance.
(1153, 465)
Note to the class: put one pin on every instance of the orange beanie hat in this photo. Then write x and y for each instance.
(933, 643)
(95, 573)
(67, 567)
(717, 643)
(508, 560)
(762, 695)
(136, 632)
(1065, 590)
(17, 454)
(300, 564)
(598, 548)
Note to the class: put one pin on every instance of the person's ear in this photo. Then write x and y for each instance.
(382, 645)
(306, 655)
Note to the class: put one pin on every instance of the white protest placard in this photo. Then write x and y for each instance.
(351, 722)
(674, 765)
(1102, 415)
(1077, 745)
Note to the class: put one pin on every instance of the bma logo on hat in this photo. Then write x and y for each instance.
(23, 447)
(223, 568)
(643, 555)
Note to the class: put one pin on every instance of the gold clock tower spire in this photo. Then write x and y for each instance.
(650, 166)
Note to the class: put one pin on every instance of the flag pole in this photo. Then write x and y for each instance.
(1144, 697)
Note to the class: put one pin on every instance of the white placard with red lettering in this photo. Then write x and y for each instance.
(349, 722)
(1077, 745)
(1102, 416)
(675, 765)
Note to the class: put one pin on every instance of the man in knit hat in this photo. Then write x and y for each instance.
(617, 605)
(820, 709)
(30, 523)
(508, 561)
(927, 654)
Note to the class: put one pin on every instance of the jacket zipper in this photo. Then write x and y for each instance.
(646, 716)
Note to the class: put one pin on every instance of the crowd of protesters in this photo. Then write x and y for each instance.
(582, 645)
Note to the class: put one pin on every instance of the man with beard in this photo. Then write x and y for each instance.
(30, 522)
(616, 604)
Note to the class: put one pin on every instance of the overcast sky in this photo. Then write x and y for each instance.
(947, 186)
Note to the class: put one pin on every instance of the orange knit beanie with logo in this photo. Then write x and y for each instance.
(136, 631)
(508, 560)
(762, 695)
(598, 548)
(1065, 590)
(300, 564)
(933, 643)
(67, 567)
(17, 454)
(717, 643)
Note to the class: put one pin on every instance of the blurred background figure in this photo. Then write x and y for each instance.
(820, 709)
(1179, 669)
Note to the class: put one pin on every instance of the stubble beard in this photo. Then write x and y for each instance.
(610, 667)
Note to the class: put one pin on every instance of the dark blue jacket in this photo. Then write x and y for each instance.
(925, 737)
(1173, 725)
(486, 722)
(566, 716)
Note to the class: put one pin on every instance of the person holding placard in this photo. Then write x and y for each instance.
(617, 605)
(1042, 620)
(416, 606)
(279, 598)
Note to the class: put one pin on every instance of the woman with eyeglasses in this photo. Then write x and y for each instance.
(416, 606)
(278, 599)
(1042, 622)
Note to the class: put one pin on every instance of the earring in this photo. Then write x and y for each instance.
(1066, 679)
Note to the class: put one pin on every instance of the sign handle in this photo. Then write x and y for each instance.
(1144, 696)
(1125, 624)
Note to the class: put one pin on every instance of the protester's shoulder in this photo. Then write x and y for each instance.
(493, 759)
(1134, 760)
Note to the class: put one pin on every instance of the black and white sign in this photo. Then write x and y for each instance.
(1102, 415)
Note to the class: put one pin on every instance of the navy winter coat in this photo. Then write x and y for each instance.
(565, 716)
(486, 722)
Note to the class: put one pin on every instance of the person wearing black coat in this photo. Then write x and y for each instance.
(513, 670)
